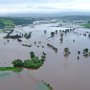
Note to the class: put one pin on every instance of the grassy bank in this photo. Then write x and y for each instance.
(15, 69)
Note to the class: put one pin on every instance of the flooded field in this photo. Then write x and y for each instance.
(63, 73)
(20, 81)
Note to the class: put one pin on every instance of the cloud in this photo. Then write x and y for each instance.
(17, 6)
(32, 1)
(45, 7)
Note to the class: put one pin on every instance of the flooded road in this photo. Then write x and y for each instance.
(62, 73)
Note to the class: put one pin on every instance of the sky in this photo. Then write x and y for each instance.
(44, 6)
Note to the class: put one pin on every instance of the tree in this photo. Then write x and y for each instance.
(56, 31)
(52, 34)
(27, 35)
(34, 63)
(35, 59)
(17, 63)
(1, 25)
(78, 57)
(32, 55)
(89, 35)
(61, 35)
(85, 50)
(66, 49)
(45, 31)
(61, 39)
(78, 52)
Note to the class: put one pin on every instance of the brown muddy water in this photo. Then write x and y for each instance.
(63, 73)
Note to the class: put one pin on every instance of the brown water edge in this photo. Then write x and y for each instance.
(61, 72)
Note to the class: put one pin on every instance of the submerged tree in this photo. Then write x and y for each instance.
(61, 39)
(45, 31)
(78, 52)
(27, 35)
(61, 35)
(78, 57)
(52, 34)
(66, 51)
(85, 52)
(56, 31)
(89, 35)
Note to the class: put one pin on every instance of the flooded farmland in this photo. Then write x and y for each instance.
(63, 73)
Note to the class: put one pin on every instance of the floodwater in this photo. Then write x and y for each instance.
(62, 73)
(20, 81)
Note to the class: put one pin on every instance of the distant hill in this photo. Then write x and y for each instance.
(6, 23)
(15, 21)
(46, 15)
(19, 20)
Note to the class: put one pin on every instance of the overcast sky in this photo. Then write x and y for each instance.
(25, 6)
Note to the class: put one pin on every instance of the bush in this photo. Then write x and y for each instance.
(17, 63)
